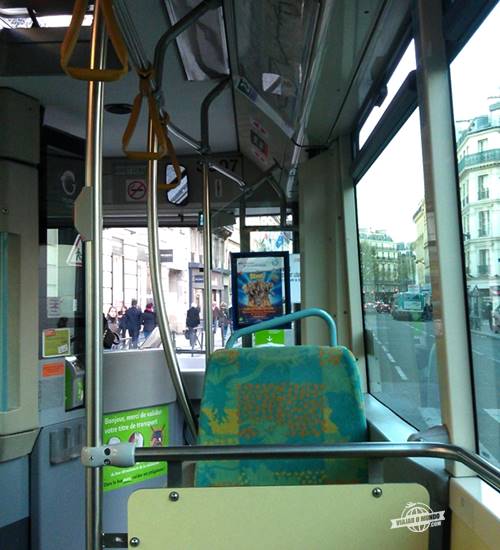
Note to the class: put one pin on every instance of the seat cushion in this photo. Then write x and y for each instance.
(303, 395)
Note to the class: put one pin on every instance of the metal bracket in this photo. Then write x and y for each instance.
(121, 455)
(434, 434)
(114, 540)
(376, 470)
(229, 174)
(83, 213)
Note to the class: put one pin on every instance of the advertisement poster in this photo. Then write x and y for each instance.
(295, 278)
(261, 287)
(148, 427)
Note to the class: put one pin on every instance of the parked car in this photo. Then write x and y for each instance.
(369, 307)
(382, 307)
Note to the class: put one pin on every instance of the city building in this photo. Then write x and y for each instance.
(379, 261)
(387, 266)
(126, 273)
(421, 248)
(407, 265)
(478, 152)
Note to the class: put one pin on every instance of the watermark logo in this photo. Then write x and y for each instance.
(418, 517)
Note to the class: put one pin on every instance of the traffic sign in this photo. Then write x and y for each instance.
(136, 190)
(75, 256)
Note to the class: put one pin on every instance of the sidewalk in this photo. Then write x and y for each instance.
(182, 344)
(485, 330)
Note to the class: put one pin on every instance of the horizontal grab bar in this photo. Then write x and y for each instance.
(485, 470)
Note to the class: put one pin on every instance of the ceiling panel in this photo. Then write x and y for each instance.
(41, 7)
(64, 98)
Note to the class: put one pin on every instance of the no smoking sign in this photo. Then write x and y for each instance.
(136, 190)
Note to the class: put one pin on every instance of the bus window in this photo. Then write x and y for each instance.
(396, 275)
(476, 106)
(406, 64)
(127, 277)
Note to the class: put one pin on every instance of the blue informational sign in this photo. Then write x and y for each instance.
(261, 287)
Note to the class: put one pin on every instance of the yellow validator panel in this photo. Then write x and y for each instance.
(388, 516)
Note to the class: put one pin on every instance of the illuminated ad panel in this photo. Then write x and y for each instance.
(260, 287)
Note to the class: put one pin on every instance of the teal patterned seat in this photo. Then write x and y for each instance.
(305, 395)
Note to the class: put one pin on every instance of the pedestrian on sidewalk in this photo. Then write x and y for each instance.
(224, 321)
(148, 320)
(133, 322)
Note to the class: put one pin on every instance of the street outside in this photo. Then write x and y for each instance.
(402, 371)
(183, 344)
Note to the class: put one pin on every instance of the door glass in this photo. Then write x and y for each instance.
(62, 298)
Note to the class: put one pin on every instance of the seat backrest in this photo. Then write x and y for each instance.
(305, 395)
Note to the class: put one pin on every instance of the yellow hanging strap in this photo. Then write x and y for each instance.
(173, 157)
(71, 39)
(159, 123)
(145, 91)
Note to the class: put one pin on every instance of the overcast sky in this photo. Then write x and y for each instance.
(389, 193)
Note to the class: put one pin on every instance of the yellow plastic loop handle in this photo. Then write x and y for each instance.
(173, 158)
(145, 91)
(71, 39)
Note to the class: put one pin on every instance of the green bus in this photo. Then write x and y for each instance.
(409, 306)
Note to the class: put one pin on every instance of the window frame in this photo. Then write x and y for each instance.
(460, 22)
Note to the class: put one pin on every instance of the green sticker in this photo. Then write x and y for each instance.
(148, 428)
(56, 342)
(266, 337)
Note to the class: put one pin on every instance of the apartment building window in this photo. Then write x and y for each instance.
(484, 223)
(484, 262)
(482, 187)
(465, 193)
(465, 225)
(482, 145)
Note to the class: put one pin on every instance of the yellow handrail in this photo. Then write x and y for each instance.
(145, 91)
(159, 123)
(71, 39)
(173, 157)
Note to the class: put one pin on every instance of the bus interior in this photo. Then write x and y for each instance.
(249, 274)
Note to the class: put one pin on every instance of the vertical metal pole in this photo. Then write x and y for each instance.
(246, 341)
(207, 262)
(155, 267)
(93, 280)
(207, 224)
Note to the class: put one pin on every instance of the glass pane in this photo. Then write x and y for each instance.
(476, 104)
(268, 220)
(127, 277)
(62, 254)
(404, 67)
(397, 294)
(274, 41)
(271, 241)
